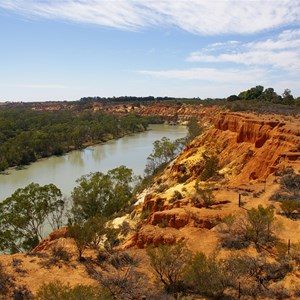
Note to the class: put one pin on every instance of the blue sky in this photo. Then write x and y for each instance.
(67, 49)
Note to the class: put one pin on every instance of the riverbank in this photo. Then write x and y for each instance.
(63, 171)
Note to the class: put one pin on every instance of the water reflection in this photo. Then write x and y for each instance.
(131, 151)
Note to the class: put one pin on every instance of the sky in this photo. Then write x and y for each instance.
(68, 49)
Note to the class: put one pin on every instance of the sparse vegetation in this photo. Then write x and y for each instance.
(194, 129)
(289, 193)
(57, 290)
(168, 263)
(205, 193)
(255, 226)
(210, 168)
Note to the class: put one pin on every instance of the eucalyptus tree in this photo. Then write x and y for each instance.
(102, 194)
(24, 215)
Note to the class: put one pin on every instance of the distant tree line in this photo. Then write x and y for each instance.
(27, 135)
(269, 95)
(124, 99)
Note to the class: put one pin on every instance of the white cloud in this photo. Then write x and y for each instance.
(196, 16)
(210, 75)
(281, 52)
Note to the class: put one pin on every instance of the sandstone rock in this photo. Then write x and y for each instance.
(46, 243)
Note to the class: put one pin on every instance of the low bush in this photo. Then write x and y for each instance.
(59, 291)
(289, 207)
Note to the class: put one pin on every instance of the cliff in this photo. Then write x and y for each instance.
(251, 150)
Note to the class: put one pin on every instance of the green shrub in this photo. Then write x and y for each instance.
(289, 207)
(59, 291)
(169, 263)
(210, 168)
(205, 193)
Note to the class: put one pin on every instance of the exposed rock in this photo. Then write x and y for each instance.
(248, 147)
(154, 235)
(175, 218)
(46, 243)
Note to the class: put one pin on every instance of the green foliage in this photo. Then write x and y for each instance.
(255, 226)
(163, 151)
(258, 227)
(210, 168)
(270, 95)
(102, 194)
(206, 193)
(208, 276)
(267, 95)
(168, 263)
(23, 216)
(252, 93)
(26, 135)
(194, 129)
(290, 182)
(58, 291)
(145, 214)
(289, 207)
(91, 233)
(287, 97)
(176, 196)
(83, 235)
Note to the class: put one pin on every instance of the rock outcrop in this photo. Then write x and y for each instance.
(248, 147)
(45, 244)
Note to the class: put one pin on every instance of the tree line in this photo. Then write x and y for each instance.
(27, 135)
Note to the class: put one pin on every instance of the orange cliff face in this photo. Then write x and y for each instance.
(267, 139)
(249, 147)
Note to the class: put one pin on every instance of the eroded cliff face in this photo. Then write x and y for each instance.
(175, 113)
(250, 149)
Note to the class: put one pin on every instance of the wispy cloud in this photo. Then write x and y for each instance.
(281, 52)
(210, 74)
(196, 16)
(274, 62)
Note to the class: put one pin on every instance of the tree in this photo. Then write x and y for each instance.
(206, 193)
(270, 95)
(163, 152)
(102, 194)
(168, 263)
(258, 224)
(251, 94)
(194, 129)
(23, 216)
(122, 180)
(288, 207)
(209, 276)
(287, 97)
(210, 167)
(82, 235)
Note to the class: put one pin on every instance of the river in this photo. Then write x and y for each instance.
(63, 171)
